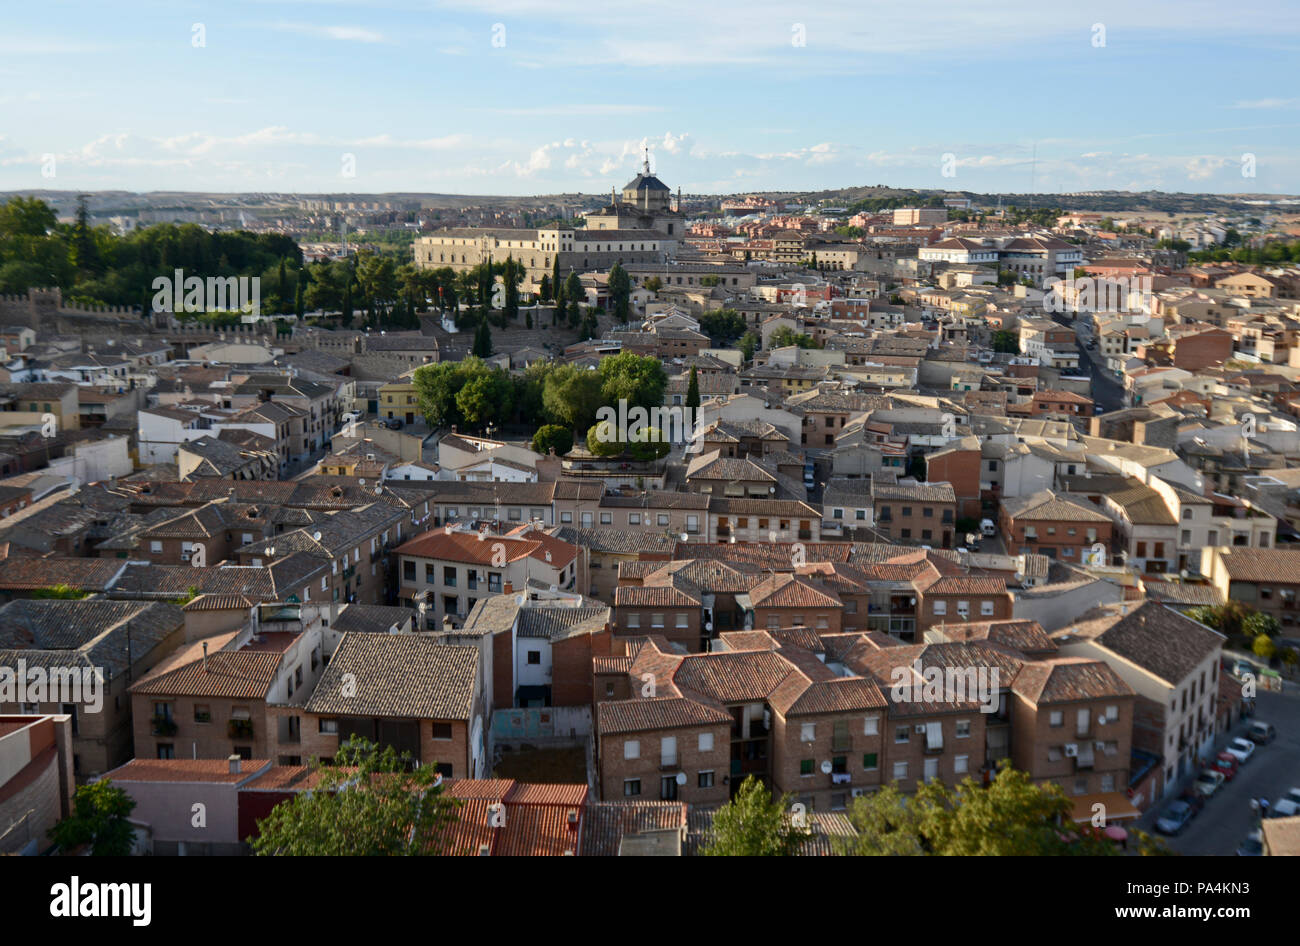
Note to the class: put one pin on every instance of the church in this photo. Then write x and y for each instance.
(639, 226)
(645, 205)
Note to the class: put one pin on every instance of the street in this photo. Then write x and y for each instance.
(1226, 819)
(1107, 392)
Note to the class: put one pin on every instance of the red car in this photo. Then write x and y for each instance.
(1227, 764)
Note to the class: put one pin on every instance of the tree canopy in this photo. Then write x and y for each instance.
(755, 824)
(98, 819)
(371, 801)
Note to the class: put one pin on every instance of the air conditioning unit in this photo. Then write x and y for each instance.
(857, 792)
(1099, 745)
(919, 728)
(1072, 749)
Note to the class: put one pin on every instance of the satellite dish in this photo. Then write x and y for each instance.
(826, 767)
(681, 778)
(378, 490)
(316, 535)
(685, 537)
(362, 481)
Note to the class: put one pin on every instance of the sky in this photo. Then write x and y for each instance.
(524, 97)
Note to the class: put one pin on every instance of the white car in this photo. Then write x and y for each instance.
(1240, 749)
(1293, 794)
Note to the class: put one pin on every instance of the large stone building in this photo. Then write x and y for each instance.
(641, 226)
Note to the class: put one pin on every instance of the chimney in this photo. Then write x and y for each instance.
(508, 588)
(205, 656)
(234, 765)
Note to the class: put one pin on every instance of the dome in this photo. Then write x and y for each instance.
(646, 182)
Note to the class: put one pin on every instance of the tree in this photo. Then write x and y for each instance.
(786, 336)
(370, 802)
(1257, 623)
(749, 343)
(544, 290)
(300, 294)
(571, 396)
(754, 824)
(99, 819)
(693, 392)
(61, 592)
(1005, 340)
(620, 292)
(1264, 647)
(482, 340)
(558, 309)
(723, 326)
(573, 292)
(512, 276)
(639, 380)
(553, 437)
(654, 284)
(85, 251)
(1011, 817)
(603, 440)
(486, 397)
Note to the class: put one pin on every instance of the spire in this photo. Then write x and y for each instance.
(645, 162)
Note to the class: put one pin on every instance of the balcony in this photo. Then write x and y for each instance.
(164, 726)
(240, 729)
(805, 533)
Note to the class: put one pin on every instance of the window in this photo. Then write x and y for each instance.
(631, 787)
(535, 657)
(705, 779)
(1112, 714)
(606, 518)
(663, 521)
(668, 788)
(900, 770)
(902, 733)
(870, 762)
(449, 576)
(963, 729)
(808, 732)
(871, 726)
(961, 765)
(1108, 783)
(940, 607)
(681, 621)
(632, 749)
(668, 750)
(408, 571)
(202, 713)
(329, 725)
(634, 620)
(986, 609)
(1057, 718)
(706, 742)
(692, 525)
(656, 620)
(441, 730)
(155, 547)
(805, 766)
(166, 750)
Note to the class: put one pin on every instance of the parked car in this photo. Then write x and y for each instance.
(1174, 818)
(1193, 799)
(1261, 733)
(1284, 808)
(988, 527)
(1240, 749)
(1253, 846)
(1242, 667)
(1209, 781)
(1293, 794)
(393, 423)
(1226, 763)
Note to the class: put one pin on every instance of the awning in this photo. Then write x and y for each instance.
(1117, 807)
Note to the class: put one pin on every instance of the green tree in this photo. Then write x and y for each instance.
(638, 379)
(786, 336)
(544, 290)
(1257, 623)
(1005, 340)
(61, 591)
(553, 437)
(486, 397)
(571, 396)
(85, 250)
(512, 276)
(573, 292)
(603, 440)
(98, 819)
(654, 284)
(749, 343)
(693, 392)
(300, 294)
(370, 802)
(482, 340)
(1012, 816)
(754, 824)
(723, 326)
(620, 292)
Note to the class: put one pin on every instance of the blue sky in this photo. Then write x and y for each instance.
(526, 96)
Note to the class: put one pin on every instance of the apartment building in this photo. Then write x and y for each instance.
(1047, 523)
(916, 513)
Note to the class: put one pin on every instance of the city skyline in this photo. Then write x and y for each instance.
(530, 98)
